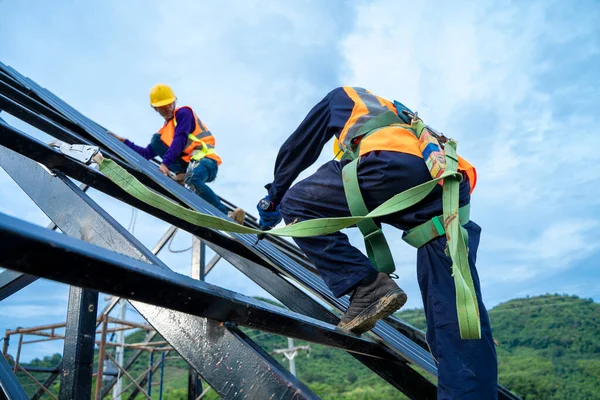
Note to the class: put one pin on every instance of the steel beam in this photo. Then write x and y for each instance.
(78, 351)
(10, 388)
(11, 282)
(175, 327)
(269, 280)
(109, 272)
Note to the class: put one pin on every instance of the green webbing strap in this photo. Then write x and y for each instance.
(384, 119)
(456, 247)
(312, 227)
(417, 126)
(424, 233)
(368, 128)
(468, 313)
(377, 247)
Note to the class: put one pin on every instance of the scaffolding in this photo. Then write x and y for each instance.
(45, 333)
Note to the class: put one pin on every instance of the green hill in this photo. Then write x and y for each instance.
(548, 348)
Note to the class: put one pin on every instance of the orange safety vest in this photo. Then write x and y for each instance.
(204, 139)
(393, 138)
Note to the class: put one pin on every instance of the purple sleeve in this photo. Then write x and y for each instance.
(304, 146)
(146, 152)
(185, 126)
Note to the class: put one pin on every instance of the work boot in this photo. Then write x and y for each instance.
(180, 178)
(238, 215)
(376, 297)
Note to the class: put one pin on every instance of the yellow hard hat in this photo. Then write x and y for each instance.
(337, 150)
(161, 95)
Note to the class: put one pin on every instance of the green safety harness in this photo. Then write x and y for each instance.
(449, 224)
(377, 247)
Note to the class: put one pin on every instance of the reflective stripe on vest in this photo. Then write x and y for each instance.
(200, 142)
(366, 106)
(397, 137)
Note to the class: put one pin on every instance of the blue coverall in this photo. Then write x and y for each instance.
(467, 368)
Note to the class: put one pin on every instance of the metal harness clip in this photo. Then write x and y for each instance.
(78, 152)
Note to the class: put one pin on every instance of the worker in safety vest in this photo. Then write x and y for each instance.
(186, 146)
(390, 162)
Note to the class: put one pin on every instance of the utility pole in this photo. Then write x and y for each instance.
(291, 352)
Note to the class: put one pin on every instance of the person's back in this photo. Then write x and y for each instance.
(390, 161)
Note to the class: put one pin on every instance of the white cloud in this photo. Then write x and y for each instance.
(474, 73)
(559, 247)
(24, 311)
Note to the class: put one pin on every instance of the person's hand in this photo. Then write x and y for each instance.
(164, 169)
(269, 213)
(119, 138)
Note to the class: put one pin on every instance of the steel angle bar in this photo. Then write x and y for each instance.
(10, 388)
(78, 350)
(17, 96)
(38, 121)
(397, 373)
(12, 281)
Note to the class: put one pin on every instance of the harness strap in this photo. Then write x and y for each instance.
(384, 119)
(456, 247)
(368, 128)
(203, 151)
(419, 236)
(378, 250)
(312, 227)
(449, 224)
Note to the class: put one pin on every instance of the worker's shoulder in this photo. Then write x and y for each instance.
(185, 113)
(336, 93)
(185, 110)
(345, 92)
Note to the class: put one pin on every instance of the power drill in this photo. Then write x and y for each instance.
(268, 206)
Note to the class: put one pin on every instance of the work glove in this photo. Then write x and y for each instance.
(269, 213)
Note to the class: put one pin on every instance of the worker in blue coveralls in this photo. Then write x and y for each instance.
(186, 146)
(390, 162)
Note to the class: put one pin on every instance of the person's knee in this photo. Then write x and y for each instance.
(155, 141)
(286, 208)
(194, 181)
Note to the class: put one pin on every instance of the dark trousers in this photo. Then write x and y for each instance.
(467, 368)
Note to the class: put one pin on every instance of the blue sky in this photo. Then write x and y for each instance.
(516, 83)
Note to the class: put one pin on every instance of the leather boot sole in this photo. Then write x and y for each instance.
(384, 307)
